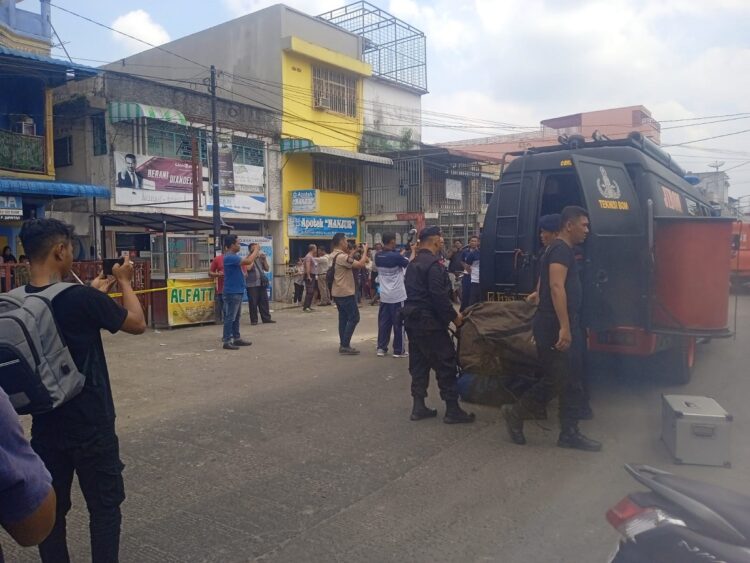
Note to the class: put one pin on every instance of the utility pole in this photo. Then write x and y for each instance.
(215, 167)
(197, 176)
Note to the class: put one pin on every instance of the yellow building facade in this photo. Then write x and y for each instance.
(322, 109)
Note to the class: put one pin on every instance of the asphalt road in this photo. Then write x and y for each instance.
(287, 452)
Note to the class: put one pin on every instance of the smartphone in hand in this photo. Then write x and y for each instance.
(109, 264)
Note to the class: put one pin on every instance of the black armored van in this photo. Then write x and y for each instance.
(656, 263)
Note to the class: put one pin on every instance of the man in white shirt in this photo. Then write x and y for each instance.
(391, 266)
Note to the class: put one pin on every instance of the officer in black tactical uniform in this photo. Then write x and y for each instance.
(559, 339)
(427, 313)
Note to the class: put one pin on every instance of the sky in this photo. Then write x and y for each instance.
(517, 61)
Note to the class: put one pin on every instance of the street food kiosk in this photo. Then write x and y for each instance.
(182, 293)
(189, 295)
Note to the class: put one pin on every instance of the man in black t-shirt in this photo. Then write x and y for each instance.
(79, 436)
(559, 338)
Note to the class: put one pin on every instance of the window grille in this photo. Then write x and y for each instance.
(334, 91)
(336, 177)
(248, 151)
(488, 188)
(175, 141)
(99, 134)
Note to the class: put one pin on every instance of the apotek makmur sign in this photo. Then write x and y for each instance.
(313, 226)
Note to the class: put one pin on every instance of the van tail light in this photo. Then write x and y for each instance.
(631, 519)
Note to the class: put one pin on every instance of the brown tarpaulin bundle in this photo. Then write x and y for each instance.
(496, 353)
(496, 340)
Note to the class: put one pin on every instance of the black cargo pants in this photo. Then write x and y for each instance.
(96, 462)
(562, 376)
(432, 350)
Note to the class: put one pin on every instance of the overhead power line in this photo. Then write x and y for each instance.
(708, 138)
(105, 26)
(467, 123)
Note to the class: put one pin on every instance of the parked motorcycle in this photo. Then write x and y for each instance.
(680, 520)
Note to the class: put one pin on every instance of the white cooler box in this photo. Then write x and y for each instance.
(696, 430)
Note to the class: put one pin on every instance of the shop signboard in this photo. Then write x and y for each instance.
(241, 186)
(153, 180)
(190, 301)
(314, 226)
(226, 168)
(11, 208)
(240, 203)
(266, 246)
(249, 179)
(305, 201)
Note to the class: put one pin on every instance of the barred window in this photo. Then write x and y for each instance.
(99, 134)
(248, 151)
(335, 91)
(175, 141)
(488, 189)
(336, 177)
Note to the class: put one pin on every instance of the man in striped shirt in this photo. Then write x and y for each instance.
(391, 266)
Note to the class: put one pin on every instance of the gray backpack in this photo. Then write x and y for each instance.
(37, 371)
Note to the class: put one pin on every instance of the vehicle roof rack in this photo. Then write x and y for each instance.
(634, 140)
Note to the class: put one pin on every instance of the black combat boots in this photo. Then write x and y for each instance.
(571, 437)
(456, 415)
(514, 424)
(420, 410)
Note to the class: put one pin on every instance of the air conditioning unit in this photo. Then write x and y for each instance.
(322, 103)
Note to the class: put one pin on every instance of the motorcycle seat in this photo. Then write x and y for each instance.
(734, 507)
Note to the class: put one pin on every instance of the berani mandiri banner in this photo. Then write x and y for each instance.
(161, 181)
(151, 180)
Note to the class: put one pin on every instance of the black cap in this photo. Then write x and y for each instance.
(550, 223)
(429, 232)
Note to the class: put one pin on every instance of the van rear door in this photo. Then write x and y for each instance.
(507, 239)
(614, 271)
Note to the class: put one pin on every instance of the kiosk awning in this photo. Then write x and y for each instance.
(157, 221)
(19, 186)
(341, 153)
(125, 111)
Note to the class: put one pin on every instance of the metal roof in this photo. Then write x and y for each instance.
(156, 221)
(22, 186)
(341, 153)
(440, 154)
(62, 70)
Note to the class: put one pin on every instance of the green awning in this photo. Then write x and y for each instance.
(125, 111)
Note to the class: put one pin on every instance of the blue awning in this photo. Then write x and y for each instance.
(19, 186)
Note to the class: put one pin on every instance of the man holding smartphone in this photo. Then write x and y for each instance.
(345, 264)
(79, 436)
(559, 338)
(234, 289)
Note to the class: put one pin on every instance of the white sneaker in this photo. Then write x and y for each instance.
(403, 355)
(381, 353)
